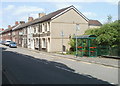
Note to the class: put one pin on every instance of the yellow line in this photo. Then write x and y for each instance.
(86, 62)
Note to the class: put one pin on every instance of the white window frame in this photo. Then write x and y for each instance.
(43, 43)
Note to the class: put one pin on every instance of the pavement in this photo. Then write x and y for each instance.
(96, 60)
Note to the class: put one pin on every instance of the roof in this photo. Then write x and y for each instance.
(49, 17)
(85, 37)
(6, 30)
(44, 18)
(94, 23)
(14, 28)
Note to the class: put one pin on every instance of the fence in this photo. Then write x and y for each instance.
(106, 50)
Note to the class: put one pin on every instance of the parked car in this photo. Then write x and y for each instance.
(3, 42)
(13, 44)
(7, 42)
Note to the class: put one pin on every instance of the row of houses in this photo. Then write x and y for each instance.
(45, 33)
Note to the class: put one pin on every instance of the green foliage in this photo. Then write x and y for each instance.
(109, 18)
(72, 44)
(108, 34)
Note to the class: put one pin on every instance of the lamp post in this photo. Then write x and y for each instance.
(62, 34)
(77, 28)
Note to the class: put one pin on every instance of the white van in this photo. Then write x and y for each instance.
(7, 42)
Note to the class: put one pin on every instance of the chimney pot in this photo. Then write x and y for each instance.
(1, 29)
(22, 22)
(9, 26)
(41, 15)
(16, 23)
(30, 19)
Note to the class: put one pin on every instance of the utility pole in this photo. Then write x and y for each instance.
(62, 34)
(77, 28)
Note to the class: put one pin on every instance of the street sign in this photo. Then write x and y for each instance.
(62, 34)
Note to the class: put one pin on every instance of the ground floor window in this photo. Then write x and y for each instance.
(43, 43)
(37, 43)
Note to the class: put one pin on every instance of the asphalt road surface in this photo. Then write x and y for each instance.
(23, 69)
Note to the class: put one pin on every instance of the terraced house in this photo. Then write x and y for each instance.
(46, 32)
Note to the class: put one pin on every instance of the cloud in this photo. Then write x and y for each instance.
(22, 9)
(90, 14)
(103, 21)
(85, 1)
(9, 7)
(27, 9)
(19, 13)
(63, 5)
(23, 18)
(34, 15)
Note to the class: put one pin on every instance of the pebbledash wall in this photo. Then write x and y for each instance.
(44, 33)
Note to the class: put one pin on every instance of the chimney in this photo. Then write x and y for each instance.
(9, 26)
(2, 29)
(30, 19)
(41, 15)
(22, 22)
(16, 23)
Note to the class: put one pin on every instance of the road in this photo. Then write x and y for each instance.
(22, 68)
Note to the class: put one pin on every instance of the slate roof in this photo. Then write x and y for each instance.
(44, 18)
(8, 29)
(94, 23)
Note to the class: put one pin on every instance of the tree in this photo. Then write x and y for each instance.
(109, 19)
(108, 34)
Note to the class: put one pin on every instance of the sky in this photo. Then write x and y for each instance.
(20, 10)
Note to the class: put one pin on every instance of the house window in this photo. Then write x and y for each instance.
(25, 30)
(43, 28)
(43, 43)
(48, 26)
(13, 33)
(34, 29)
(8, 33)
(37, 43)
(40, 27)
(45, 25)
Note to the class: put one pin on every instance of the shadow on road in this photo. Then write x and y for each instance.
(29, 70)
(3, 48)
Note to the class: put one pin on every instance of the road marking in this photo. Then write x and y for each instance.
(107, 66)
(112, 83)
(71, 59)
(86, 62)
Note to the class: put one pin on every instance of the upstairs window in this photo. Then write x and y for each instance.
(34, 29)
(40, 27)
(48, 29)
(45, 25)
